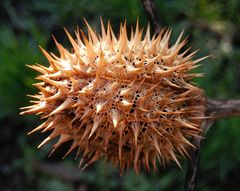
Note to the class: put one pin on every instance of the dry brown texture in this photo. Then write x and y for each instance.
(127, 100)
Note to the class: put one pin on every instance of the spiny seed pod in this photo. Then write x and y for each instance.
(128, 100)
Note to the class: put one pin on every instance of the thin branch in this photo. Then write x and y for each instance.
(152, 14)
(223, 108)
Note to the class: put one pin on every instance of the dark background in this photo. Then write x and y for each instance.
(213, 27)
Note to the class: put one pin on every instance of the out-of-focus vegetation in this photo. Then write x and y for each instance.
(213, 27)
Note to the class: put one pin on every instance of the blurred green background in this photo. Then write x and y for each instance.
(213, 27)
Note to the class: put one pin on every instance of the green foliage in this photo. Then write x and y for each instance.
(213, 27)
(15, 78)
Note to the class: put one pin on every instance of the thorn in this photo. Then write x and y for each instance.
(45, 141)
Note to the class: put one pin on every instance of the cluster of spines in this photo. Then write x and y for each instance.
(128, 100)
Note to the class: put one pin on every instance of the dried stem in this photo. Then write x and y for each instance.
(223, 108)
(215, 109)
(152, 14)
